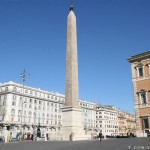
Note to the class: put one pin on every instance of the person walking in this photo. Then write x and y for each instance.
(100, 136)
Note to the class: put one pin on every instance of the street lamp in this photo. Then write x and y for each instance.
(24, 75)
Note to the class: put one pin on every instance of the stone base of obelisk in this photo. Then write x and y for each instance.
(72, 128)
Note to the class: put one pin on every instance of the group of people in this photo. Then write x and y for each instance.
(27, 136)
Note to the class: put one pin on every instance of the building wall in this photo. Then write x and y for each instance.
(141, 84)
(40, 108)
(43, 108)
(107, 120)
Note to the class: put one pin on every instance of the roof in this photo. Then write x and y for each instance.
(139, 57)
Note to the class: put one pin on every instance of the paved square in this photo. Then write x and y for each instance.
(109, 144)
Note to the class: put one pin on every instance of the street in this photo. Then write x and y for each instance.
(109, 144)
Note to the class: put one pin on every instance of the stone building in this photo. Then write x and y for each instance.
(140, 68)
(26, 109)
(131, 124)
(107, 120)
(42, 110)
(126, 123)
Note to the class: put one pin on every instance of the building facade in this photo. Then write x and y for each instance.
(25, 109)
(126, 123)
(140, 68)
(107, 120)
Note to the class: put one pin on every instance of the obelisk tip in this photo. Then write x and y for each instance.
(71, 8)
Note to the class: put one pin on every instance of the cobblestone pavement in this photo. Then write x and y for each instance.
(109, 144)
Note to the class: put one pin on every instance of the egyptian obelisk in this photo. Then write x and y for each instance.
(72, 127)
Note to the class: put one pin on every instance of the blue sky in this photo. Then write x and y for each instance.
(33, 37)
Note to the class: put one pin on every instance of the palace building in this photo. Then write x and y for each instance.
(140, 68)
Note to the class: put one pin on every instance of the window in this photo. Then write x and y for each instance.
(19, 112)
(14, 89)
(143, 96)
(14, 97)
(6, 89)
(13, 103)
(5, 97)
(140, 70)
(30, 106)
(145, 122)
(12, 111)
(3, 102)
(30, 100)
(30, 113)
(31, 92)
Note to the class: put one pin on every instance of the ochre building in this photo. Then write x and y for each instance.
(140, 67)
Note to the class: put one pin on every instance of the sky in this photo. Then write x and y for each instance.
(33, 37)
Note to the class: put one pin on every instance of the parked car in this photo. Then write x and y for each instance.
(40, 139)
(26, 139)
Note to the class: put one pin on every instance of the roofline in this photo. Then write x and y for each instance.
(139, 57)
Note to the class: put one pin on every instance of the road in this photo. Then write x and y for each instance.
(109, 144)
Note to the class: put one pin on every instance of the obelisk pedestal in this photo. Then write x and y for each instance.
(72, 127)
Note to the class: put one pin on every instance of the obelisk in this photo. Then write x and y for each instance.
(72, 95)
(72, 127)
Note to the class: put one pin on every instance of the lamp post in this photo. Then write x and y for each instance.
(24, 75)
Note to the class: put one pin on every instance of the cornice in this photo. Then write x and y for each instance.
(139, 57)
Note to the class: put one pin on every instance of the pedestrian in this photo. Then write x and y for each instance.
(100, 136)
(32, 137)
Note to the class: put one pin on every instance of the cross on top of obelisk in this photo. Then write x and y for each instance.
(71, 8)
(71, 5)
